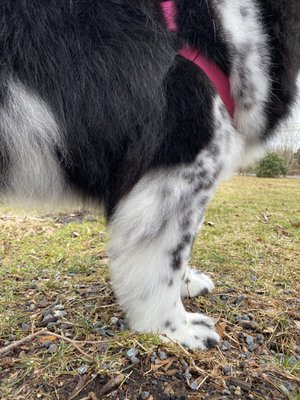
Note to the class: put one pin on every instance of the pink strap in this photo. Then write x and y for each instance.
(213, 72)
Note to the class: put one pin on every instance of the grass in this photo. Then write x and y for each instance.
(250, 244)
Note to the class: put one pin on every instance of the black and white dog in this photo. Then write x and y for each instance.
(98, 100)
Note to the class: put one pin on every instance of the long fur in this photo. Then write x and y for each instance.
(96, 102)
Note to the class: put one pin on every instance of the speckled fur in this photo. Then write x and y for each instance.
(96, 102)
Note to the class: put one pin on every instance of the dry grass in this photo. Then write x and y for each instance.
(251, 247)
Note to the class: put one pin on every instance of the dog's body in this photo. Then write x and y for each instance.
(96, 101)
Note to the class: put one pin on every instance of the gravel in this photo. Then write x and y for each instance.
(224, 346)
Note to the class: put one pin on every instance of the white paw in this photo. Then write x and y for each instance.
(192, 330)
(196, 283)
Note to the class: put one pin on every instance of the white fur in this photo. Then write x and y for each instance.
(147, 226)
(249, 78)
(31, 133)
(196, 283)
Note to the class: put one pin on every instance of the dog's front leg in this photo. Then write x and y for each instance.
(152, 232)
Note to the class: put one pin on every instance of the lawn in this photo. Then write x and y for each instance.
(55, 294)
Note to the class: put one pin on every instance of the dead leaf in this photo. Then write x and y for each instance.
(44, 339)
(296, 225)
(221, 327)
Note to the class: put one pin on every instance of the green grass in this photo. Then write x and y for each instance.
(250, 248)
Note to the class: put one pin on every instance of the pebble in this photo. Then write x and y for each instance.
(194, 385)
(227, 370)
(153, 357)
(252, 325)
(132, 356)
(238, 391)
(60, 313)
(24, 327)
(52, 348)
(32, 307)
(114, 320)
(240, 299)
(185, 365)
(224, 346)
(122, 325)
(100, 331)
(187, 375)
(59, 307)
(132, 352)
(11, 338)
(144, 395)
(83, 369)
(226, 392)
(46, 313)
(260, 339)
(250, 342)
(162, 355)
(232, 388)
(247, 354)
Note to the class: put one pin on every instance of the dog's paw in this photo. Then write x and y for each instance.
(193, 331)
(196, 283)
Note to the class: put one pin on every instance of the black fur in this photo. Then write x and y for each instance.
(126, 104)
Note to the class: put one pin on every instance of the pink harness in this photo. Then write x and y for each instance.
(213, 72)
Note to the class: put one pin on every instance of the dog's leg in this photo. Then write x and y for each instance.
(152, 231)
(151, 237)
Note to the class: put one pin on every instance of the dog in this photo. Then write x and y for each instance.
(106, 101)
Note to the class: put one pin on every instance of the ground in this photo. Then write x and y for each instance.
(55, 286)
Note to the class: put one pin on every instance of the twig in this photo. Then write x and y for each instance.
(19, 343)
(42, 332)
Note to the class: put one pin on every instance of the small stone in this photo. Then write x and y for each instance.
(238, 391)
(241, 337)
(194, 385)
(253, 277)
(100, 331)
(59, 307)
(247, 354)
(11, 338)
(250, 325)
(224, 346)
(135, 360)
(240, 299)
(32, 307)
(83, 369)
(132, 352)
(60, 313)
(47, 313)
(232, 388)
(187, 375)
(250, 343)
(114, 320)
(260, 339)
(185, 365)
(227, 370)
(122, 325)
(144, 395)
(226, 392)
(162, 355)
(52, 348)
(24, 327)
(153, 357)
